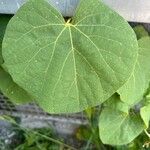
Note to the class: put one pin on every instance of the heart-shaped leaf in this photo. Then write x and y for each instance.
(117, 126)
(69, 66)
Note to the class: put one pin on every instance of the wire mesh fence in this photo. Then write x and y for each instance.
(32, 110)
(137, 11)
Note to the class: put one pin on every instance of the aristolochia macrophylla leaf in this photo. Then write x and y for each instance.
(69, 66)
(118, 126)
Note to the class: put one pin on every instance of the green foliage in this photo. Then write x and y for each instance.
(10, 89)
(4, 19)
(131, 92)
(117, 126)
(7, 86)
(145, 114)
(8, 118)
(90, 138)
(69, 66)
(145, 110)
(140, 31)
(115, 103)
(33, 141)
(140, 143)
(84, 133)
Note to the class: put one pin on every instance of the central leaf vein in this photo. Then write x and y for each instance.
(72, 48)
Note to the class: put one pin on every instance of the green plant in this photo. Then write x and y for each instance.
(92, 58)
(89, 134)
(7, 86)
(36, 139)
(67, 66)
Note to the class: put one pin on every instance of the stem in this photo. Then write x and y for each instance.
(98, 142)
(147, 133)
(69, 20)
(89, 142)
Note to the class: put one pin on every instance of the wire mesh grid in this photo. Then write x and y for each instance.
(32, 110)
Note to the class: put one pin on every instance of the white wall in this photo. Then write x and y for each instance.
(131, 10)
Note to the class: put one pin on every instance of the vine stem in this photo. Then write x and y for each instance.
(89, 142)
(148, 134)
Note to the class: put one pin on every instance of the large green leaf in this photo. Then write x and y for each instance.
(132, 92)
(3, 23)
(117, 127)
(12, 90)
(69, 66)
